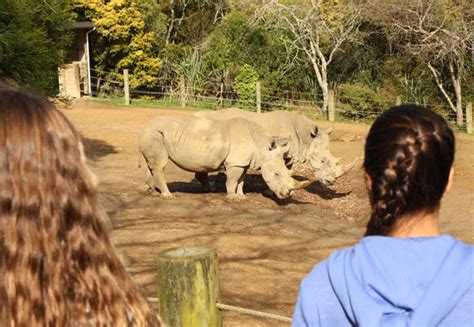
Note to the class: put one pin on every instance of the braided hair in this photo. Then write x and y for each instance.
(408, 156)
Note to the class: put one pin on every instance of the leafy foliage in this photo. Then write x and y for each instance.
(245, 86)
(123, 42)
(34, 36)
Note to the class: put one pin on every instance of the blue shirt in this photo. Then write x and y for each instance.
(387, 281)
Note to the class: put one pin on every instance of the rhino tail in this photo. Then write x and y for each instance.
(139, 159)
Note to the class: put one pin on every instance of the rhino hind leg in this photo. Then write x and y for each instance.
(203, 178)
(156, 162)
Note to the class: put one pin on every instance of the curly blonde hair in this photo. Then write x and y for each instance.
(57, 264)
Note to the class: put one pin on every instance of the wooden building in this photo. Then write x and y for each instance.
(74, 75)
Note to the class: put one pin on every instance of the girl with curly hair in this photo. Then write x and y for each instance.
(57, 264)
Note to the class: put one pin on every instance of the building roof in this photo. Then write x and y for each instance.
(83, 24)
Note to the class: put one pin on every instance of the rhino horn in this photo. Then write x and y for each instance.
(301, 184)
(344, 169)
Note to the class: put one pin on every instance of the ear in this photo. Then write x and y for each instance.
(329, 131)
(449, 185)
(368, 181)
(273, 145)
(314, 132)
(280, 143)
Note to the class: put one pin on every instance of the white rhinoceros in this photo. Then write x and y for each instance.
(201, 146)
(309, 145)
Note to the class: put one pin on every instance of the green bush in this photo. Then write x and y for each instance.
(358, 101)
(245, 86)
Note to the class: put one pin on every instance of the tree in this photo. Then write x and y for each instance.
(319, 29)
(123, 42)
(34, 38)
(439, 33)
(190, 21)
(245, 86)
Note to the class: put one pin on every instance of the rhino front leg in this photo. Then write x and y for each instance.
(235, 177)
(240, 185)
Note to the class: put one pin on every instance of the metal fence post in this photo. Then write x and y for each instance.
(189, 287)
(469, 118)
(331, 106)
(126, 88)
(259, 99)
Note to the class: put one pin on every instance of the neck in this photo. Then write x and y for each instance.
(417, 225)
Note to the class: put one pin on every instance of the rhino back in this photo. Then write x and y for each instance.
(194, 144)
(277, 123)
(228, 113)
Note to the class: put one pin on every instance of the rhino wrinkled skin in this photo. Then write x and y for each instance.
(309, 145)
(201, 146)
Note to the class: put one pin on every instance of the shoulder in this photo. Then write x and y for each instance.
(317, 304)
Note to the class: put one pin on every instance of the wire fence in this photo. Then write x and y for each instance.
(214, 95)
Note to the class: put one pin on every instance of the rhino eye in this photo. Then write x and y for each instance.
(277, 174)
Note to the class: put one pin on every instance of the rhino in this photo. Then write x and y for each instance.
(309, 145)
(202, 146)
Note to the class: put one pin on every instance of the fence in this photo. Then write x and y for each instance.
(214, 95)
(188, 286)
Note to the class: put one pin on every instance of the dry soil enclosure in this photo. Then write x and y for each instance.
(265, 247)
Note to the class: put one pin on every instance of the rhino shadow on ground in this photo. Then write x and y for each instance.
(325, 192)
(253, 183)
(96, 149)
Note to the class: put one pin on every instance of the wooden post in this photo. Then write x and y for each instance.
(398, 101)
(259, 99)
(182, 87)
(221, 96)
(331, 106)
(469, 118)
(189, 287)
(126, 89)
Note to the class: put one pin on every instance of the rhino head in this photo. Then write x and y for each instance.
(274, 171)
(323, 164)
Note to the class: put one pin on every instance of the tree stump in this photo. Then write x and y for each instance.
(189, 287)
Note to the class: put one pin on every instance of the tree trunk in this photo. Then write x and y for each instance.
(456, 79)
(440, 85)
(459, 112)
(325, 88)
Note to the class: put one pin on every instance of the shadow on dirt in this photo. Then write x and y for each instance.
(325, 192)
(96, 149)
(253, 183)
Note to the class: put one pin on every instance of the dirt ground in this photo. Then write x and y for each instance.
(265, 247)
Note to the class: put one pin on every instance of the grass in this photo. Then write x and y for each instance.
(163, 103)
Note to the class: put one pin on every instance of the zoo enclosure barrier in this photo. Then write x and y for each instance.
(215, 95)
(189, 292)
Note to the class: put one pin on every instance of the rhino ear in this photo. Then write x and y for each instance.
(314, 132)
(281, 143)
(273, 145)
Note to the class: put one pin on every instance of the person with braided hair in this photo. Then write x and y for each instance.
(404, 272)
(57, 264)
